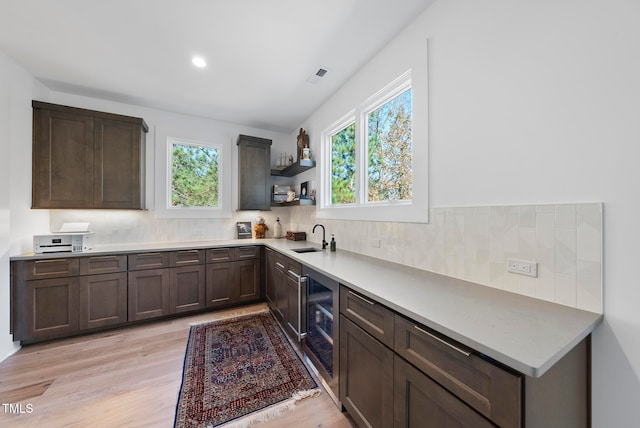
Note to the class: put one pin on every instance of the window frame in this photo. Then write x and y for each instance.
(164, 207)
(390, 210)
(171, 141)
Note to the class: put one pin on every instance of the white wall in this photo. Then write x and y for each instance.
(536, 102)
(18, 222)
(116, 227)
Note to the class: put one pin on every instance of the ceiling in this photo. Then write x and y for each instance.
(259, 53)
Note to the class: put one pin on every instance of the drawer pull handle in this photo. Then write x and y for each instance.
(149, 255)
(104, 257)
(362, 298)
(280, 265)
(188, 251)
(295, 275)
(51, 261)
(455, 348)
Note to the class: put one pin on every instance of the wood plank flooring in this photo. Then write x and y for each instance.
(128, 377)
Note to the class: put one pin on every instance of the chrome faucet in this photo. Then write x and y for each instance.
(324, 242)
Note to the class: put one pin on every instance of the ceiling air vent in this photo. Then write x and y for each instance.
(319, 74)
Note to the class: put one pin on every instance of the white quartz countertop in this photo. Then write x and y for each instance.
(524, 333)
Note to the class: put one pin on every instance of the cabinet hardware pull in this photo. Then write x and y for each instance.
(104, 257)
(362, 298)
(188, 251)
(292, 273)
(51, 261)
(455, 348)
(148, 254)
(280, 265)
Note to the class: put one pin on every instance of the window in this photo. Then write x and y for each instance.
(194, 175)
(368, 156)
(343, 165)
(389, 160)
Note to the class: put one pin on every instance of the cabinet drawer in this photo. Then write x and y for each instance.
(280, 262)
(49, 268)
(216, 255)
(252, 252)
(489, 389)
(103, 264)
(187, 257)
(286, 264)
(368, 314)
(148, 261)
(418, 398)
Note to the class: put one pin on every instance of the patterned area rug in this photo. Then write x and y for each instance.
(238, 371)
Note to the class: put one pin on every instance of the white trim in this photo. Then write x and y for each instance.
(392, 210)
(164, 209)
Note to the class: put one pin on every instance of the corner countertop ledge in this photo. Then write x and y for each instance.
(526, 334)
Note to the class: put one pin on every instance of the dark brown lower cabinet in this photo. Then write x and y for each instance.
(220, 284)
(51, 308)
(233, 282)
(366, 377)
(419, 402)
(103, 300)
(247, 280)
(269, 280)
(281, 304)
(187, 289)
(148, 294)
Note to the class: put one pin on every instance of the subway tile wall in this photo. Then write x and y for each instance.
(471, 243)
(474, 243)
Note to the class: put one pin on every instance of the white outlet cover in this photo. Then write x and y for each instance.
(522, 267)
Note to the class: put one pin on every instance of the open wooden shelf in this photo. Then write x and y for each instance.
(294, 169)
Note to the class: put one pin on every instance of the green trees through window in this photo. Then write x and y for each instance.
(387, 149)
(194, 175)
(343, 166)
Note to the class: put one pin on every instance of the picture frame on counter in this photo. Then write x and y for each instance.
(243, 229)
(304, 190)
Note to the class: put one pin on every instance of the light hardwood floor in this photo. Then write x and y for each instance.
(128, 377)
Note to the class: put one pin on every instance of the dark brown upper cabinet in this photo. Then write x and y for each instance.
(254, 173)
(87, 159)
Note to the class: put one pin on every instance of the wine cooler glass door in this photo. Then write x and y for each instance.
(320, 313)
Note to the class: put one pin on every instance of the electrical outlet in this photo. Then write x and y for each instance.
(375, 243)
(522, 267)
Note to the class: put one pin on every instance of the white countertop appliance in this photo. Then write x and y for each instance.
(72, 238)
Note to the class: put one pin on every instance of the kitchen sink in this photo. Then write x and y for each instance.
(306, 250)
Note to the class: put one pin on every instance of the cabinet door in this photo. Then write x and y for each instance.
(269, 273)
(294, 316)
(148, 294)
(51, 308)
(366, 377)
(282, 297)
(119, 160)
(63, 155)
(220, 284)
(187, 288)
(420, 402)
(103, 300)
(247, 277)
(254, 172)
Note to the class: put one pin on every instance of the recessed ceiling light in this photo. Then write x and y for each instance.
(199, 62)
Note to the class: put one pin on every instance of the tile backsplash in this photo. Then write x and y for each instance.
(474, 243)
(471, 243)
